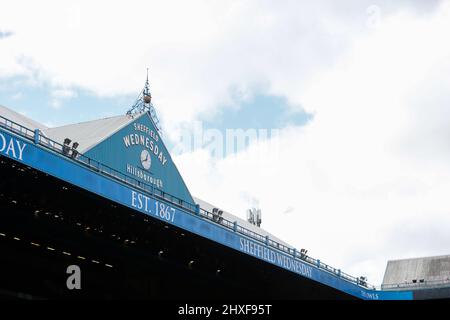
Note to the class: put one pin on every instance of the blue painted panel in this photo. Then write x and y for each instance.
(138, 151)
(74, 172)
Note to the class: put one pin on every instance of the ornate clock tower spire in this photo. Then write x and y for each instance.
(144, 104)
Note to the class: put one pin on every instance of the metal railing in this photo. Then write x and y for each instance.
(191, 208)
(16, 128)
(419, 284)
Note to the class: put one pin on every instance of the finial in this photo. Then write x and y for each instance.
(144, 104)
(146, 94)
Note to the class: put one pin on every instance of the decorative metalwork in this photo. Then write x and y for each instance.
(144, 104)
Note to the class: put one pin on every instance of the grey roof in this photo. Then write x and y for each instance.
(21, 119)
(87, 134)
(428, 269)
(243, 223)
(90, 133)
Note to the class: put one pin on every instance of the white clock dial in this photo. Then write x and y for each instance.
(146, 160)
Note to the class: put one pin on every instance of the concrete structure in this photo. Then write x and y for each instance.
(417, 273)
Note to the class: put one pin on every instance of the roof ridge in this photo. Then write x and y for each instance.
(89, 121)
(21, 118)
(421, 258)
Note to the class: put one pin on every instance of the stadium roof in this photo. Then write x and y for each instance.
(87, 134)
(90, 133)
(417, 270)
(21, 119)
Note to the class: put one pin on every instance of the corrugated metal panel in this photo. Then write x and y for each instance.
(418, 270)
(21, 119)
(89, 134)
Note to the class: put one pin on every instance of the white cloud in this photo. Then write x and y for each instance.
(55, 103)
(367, 178)
(356, 185)
(63, 93)
(60, 94)
(17, 96)
(196, 51)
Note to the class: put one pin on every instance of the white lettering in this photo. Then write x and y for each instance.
(133, 199)
(267, 254)
(189, 310)
(126, 141)
(368, 295)
(279, 259)
(74, 280)
(146, 203)
(135, 139)
(139, 201)
(11, 148)
(3, 143)
(20, 149)
(144, 176)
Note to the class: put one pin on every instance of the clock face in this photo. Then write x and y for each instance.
(146, 160)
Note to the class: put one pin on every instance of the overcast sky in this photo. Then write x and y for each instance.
(359, 91)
